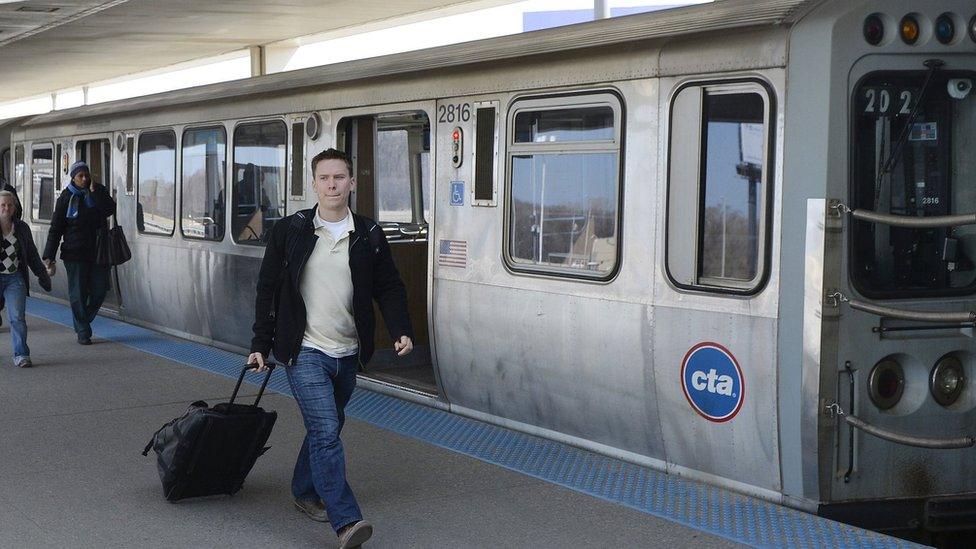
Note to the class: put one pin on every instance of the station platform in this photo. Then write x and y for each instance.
(71, 473)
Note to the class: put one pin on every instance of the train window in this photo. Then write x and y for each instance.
(912, 141)
(564, 125)
(20, 168)
(718, 195)
(259, 180)
(485, 151)
(42, 182)
(156, 207)
(564, 189)
(202, 193)
(392, 176)
(396, 191)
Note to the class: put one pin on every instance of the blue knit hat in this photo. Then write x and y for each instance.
(77, 167)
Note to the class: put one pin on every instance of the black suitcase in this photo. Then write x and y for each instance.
(209, 451)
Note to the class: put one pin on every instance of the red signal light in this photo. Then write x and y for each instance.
(873, 30)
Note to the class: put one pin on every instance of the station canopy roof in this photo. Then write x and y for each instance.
(48, 45)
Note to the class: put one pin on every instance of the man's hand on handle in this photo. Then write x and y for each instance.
(403, 347)
(51, 267)
(257, 358)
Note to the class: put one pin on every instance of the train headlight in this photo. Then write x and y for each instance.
(909, 29)
(972, 29)
(886, 383)
(945, 28)
(874, 29)
(947, 381)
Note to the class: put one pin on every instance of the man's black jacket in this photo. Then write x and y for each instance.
(279, 319)
(79, 233)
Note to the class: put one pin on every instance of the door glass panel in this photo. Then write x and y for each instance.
(204, 151)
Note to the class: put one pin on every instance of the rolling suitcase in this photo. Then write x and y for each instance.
(210, 450)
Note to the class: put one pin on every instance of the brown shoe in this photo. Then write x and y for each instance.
(313, 508)
(355, 534)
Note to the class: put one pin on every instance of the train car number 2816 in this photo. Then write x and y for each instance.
(451, 113)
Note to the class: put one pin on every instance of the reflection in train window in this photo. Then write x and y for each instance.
(564, 165)
(204, 165)
(732, 155)
(42, 182)
(156, 209)
(258, 180)
(717, 187)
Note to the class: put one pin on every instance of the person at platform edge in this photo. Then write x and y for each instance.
(79, 212)
(17, 254)
(324, 265)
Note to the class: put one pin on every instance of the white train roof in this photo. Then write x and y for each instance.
(717, 16)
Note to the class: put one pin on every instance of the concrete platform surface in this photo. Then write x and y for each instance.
(71, 473)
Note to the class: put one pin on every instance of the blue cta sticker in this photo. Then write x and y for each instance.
(712, 381)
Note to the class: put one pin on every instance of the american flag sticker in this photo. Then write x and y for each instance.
(453, 253)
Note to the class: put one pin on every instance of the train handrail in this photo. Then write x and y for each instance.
(905, 314)
(910, 222)
(901, 438)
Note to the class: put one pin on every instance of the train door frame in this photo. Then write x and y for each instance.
(315, 138)
(434, 391)
(70, 153)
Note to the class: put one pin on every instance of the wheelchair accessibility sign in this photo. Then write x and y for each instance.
(457, 193)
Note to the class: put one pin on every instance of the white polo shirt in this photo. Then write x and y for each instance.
(326, 287)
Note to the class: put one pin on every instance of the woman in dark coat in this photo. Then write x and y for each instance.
(80, 211)
(17, 255)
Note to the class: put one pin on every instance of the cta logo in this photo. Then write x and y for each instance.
(712, 382)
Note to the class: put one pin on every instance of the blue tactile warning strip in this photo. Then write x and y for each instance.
(717, 511)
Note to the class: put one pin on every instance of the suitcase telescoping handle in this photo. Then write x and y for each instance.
(240, 379)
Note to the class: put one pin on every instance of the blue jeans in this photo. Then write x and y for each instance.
(322, 387)
(15, 294)
(87, 286)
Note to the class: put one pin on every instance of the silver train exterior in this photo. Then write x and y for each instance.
(771, 371)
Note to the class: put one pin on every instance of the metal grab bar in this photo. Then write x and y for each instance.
(905, 314)
(910, 440)
(834, 409)
(934, 222)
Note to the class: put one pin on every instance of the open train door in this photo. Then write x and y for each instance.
(96, 151)
(390, 150)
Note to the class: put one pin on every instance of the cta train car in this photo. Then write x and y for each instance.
(734, 241)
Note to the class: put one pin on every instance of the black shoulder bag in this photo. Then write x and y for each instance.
(110, 245)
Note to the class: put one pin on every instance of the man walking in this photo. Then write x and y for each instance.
(321, 270)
